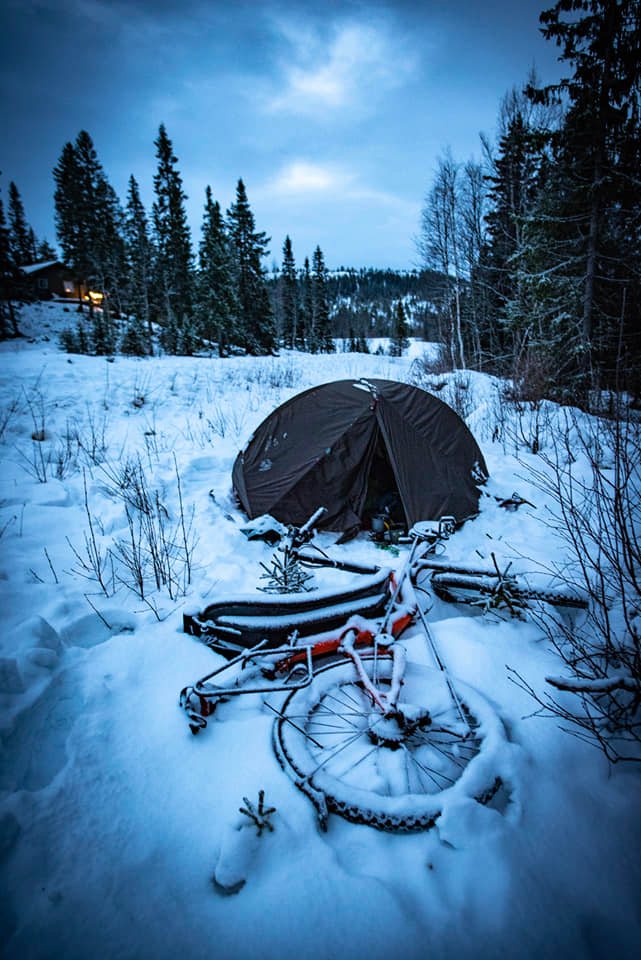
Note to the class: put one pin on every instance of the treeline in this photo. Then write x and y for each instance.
(365, 303)
(540, 244)
(155, 289)
(362, 303)
(218, 301)
(19, 246)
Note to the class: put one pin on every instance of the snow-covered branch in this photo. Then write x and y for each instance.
(602, 685)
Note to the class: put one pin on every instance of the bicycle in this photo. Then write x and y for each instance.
(494, 588)
(369, 735)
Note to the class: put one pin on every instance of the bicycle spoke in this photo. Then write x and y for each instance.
(354, 765)
(330, 733)
(429, 770)
(425, 740)
(330, 728)
(407, 773)
(408, 757)
(349, 696)
(346, 706)
(343, 718)
(335, 752)
(325, 709)
(448, 756)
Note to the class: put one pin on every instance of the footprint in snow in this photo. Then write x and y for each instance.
(35, 748)
(90, 631)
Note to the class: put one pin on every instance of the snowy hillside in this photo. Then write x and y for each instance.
(113, 818)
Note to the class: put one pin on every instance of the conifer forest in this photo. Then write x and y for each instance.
(528, 261)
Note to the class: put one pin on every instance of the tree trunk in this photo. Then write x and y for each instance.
(588, 296)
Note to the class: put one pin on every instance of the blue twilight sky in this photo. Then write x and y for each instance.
(334, 114)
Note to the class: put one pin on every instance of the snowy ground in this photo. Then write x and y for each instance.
(113, 818)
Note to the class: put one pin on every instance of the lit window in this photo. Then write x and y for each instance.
(67, 286)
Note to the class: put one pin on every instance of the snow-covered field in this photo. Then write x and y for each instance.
(113, 818)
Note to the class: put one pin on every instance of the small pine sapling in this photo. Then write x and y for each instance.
(286, 574)
(240, 845)
(258, 813)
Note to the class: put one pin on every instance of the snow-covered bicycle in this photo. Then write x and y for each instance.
(361, 730)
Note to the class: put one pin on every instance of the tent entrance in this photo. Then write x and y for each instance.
(383, 496)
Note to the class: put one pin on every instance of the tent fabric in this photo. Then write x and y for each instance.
(317, 449)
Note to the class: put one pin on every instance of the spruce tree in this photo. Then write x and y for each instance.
(322, 338)
(45, 252)
(400, 332)
(89, 226)
(8, 319)
(21, 236)
(515, 183)
(139, 254)
(257, 332)
(593, 242)
(289, 297)
(70, 227)
(306, 316)
(217, 306)
(173, 250)
(33, 245)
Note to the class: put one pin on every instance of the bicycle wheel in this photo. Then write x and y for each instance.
(484, 589)
(396, 772)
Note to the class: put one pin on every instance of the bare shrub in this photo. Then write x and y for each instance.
(230, 421)
(35, 463)
(93, 563)
(141, 392)
(424, 368)
(532, 425)
(460, 395)
(599, 518)
(534, 371)
(6, 415)
(64, 456)
(454, 388)
(36, 405)
(519, 425)
(92, 438)
(158, 551)
(273, 374)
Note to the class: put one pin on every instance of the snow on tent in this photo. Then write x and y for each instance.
(347, 445)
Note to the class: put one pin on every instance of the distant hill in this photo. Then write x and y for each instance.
(362, 302)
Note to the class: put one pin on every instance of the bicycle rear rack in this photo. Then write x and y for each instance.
(200, 700)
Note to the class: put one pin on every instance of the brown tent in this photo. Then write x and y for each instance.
(346, 445)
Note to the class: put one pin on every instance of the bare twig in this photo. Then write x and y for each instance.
(51, 565)
(96, 610)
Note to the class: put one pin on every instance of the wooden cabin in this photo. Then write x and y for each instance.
(52, 280)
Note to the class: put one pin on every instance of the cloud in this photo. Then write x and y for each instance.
(303, 179)
(353, 65)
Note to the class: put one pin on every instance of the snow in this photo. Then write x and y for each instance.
(33, 267)
(115, 821)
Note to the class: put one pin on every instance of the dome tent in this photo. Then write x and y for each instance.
(340, 445)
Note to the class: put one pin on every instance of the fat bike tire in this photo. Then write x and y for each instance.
(479, 588)
(391, 774)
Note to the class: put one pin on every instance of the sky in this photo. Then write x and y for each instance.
(334, 114)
